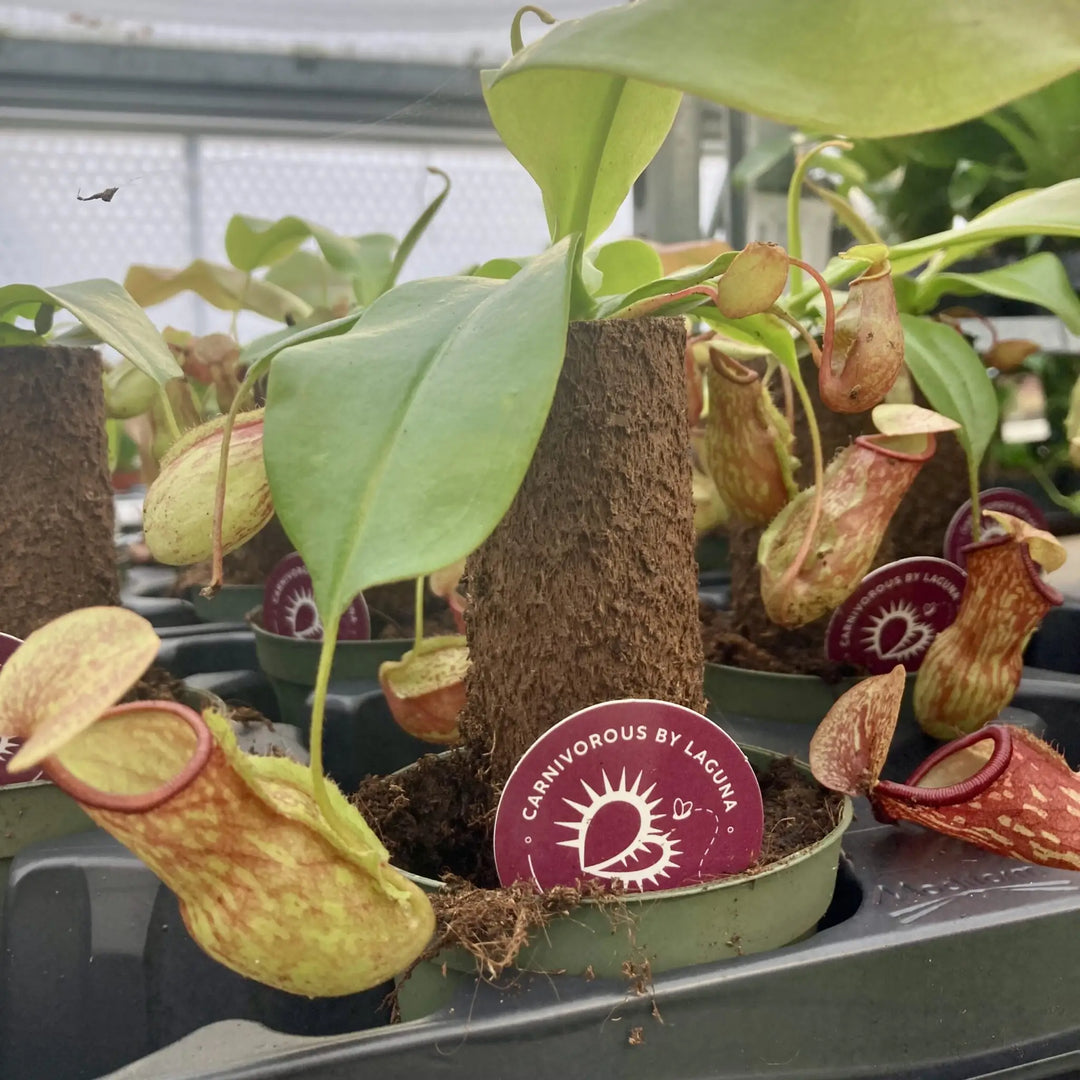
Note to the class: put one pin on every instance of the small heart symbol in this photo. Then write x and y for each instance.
(683, 809)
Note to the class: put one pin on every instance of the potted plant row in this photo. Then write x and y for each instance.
(561, 470)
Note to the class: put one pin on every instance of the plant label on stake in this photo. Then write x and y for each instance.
(9, 745)
(289, 606)
(1007, 501)
(647, 794)
(894, 614)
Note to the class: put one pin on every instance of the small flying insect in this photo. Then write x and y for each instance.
(105, 195)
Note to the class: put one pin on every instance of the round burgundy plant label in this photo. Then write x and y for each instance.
(9, 745)
(289, 606)
(1006, 501)
(645, 793)
(894, 614)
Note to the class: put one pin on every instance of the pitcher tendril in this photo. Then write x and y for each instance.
(418, 613)
(802, 167)
(217, 569)
(516, 42)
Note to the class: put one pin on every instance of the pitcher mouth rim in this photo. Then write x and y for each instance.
(95, 799)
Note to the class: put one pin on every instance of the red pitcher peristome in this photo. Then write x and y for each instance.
(863, 486)
(1000, 788)
(973, 667)
(748, 443)
(868, 345)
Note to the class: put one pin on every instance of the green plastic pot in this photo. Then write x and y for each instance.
(671, 928)
(32, 812)
(766, 695)
(361, 737)
(291, 663)
(230, 605)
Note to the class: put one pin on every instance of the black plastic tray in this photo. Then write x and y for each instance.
(935, 960)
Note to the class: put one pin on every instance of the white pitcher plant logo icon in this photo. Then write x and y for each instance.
(897, 632)
(648, 853)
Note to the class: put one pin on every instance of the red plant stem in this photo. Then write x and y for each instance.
(654, 303)
(801, 330)
(217, 558)
(830, 311)
(792, 571)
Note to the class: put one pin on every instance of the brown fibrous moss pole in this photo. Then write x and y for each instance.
(56, 502)
(587, 589)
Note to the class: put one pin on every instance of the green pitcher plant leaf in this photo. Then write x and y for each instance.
(503, 269)
(1039, 279)
(764, 330)
(224, 287)
(954, 380)
(626, 265)
(840, 66)
(583, 136)
(258, 353)
(266, 884)
(454, 378)
(110, 314)
(17, 335)
(371, 262)
(417, 229)
(374, 266)
(368, 261)
(638, 297)
(251, 242)
(1052, 211)
(308, 275)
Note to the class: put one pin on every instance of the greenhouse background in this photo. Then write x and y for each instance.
(200, 112)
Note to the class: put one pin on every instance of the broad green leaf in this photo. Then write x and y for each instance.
(418, 228)
(371, 262)
(114, 434)
(762, 158)
(252, 242)
(764, 330)
(1040, 279)
(223, 286)
(258, 353)
(1052, 211)
(584, 137)
(954, 380)
(309, 276)
(16, 335)
(673, 283)
(864, 69)
(503, 269)
(394, 450)
(372, 267)
(625, 265)
(111, 314)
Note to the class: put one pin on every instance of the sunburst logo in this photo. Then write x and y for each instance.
(645, 855)
(897, 633)
(302, 615)
(8, 746)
